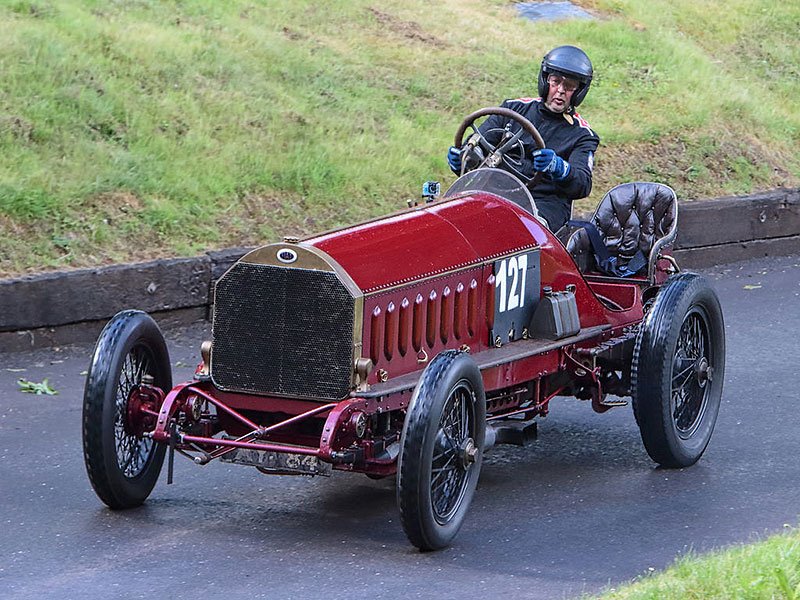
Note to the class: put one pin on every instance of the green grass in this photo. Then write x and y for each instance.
(141, 128)
(762, 571)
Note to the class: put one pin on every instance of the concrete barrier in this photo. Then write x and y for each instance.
(71, 307)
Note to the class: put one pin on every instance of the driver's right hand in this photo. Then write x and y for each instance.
(454, 159)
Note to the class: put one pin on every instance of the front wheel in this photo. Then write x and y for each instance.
(122, 465)
(678, 370)
(441, 450)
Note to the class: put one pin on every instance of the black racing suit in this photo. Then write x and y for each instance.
(569, 136)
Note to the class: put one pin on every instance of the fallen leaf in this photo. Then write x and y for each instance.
(31, 387)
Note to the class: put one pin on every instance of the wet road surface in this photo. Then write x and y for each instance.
(582, 509)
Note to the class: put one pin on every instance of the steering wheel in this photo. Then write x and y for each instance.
(499, 152)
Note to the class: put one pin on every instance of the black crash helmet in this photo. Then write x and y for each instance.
(570, 61)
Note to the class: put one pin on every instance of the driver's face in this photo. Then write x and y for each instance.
(559, 95)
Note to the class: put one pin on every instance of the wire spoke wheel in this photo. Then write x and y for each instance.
(691, 373)
(441, 450)
(132, 451)
(678, 369)
(452, 460)
(122, 464)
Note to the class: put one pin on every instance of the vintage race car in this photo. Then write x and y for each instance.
(409, 345)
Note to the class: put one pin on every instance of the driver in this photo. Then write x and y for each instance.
(567, 161)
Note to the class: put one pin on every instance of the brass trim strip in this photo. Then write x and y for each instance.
(308, 257)
(377, 291)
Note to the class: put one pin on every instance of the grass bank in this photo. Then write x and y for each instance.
(141, 128)
(766, 570)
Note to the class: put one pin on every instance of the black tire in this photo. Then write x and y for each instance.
(122, 467)
(678, 370)
(441, 450)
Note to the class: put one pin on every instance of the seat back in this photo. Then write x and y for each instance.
(630, 217)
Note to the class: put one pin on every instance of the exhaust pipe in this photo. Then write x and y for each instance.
(522, 434)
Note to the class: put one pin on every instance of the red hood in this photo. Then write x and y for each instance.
(430, 240)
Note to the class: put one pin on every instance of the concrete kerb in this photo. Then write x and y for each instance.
(71, 307)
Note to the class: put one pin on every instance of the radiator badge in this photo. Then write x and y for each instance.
(287, 255)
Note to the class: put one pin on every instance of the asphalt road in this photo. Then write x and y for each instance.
(583, 509)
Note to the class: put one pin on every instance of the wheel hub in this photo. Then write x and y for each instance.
(136, 420)
(133, 422)
(703, 371)
(467, 453)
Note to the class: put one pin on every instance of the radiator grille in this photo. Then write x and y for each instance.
(283, 331)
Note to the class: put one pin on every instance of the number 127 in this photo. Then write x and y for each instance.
(512, 296)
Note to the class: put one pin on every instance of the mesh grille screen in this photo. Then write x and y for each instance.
(283, 331)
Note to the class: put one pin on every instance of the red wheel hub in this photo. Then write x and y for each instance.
(142, 407)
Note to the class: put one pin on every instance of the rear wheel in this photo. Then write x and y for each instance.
(441, 450)
(122, 465)
(678, 370)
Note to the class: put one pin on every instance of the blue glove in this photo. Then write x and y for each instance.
(551, 164)
(454, 159)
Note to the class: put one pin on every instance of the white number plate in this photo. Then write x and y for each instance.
(278, 462)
